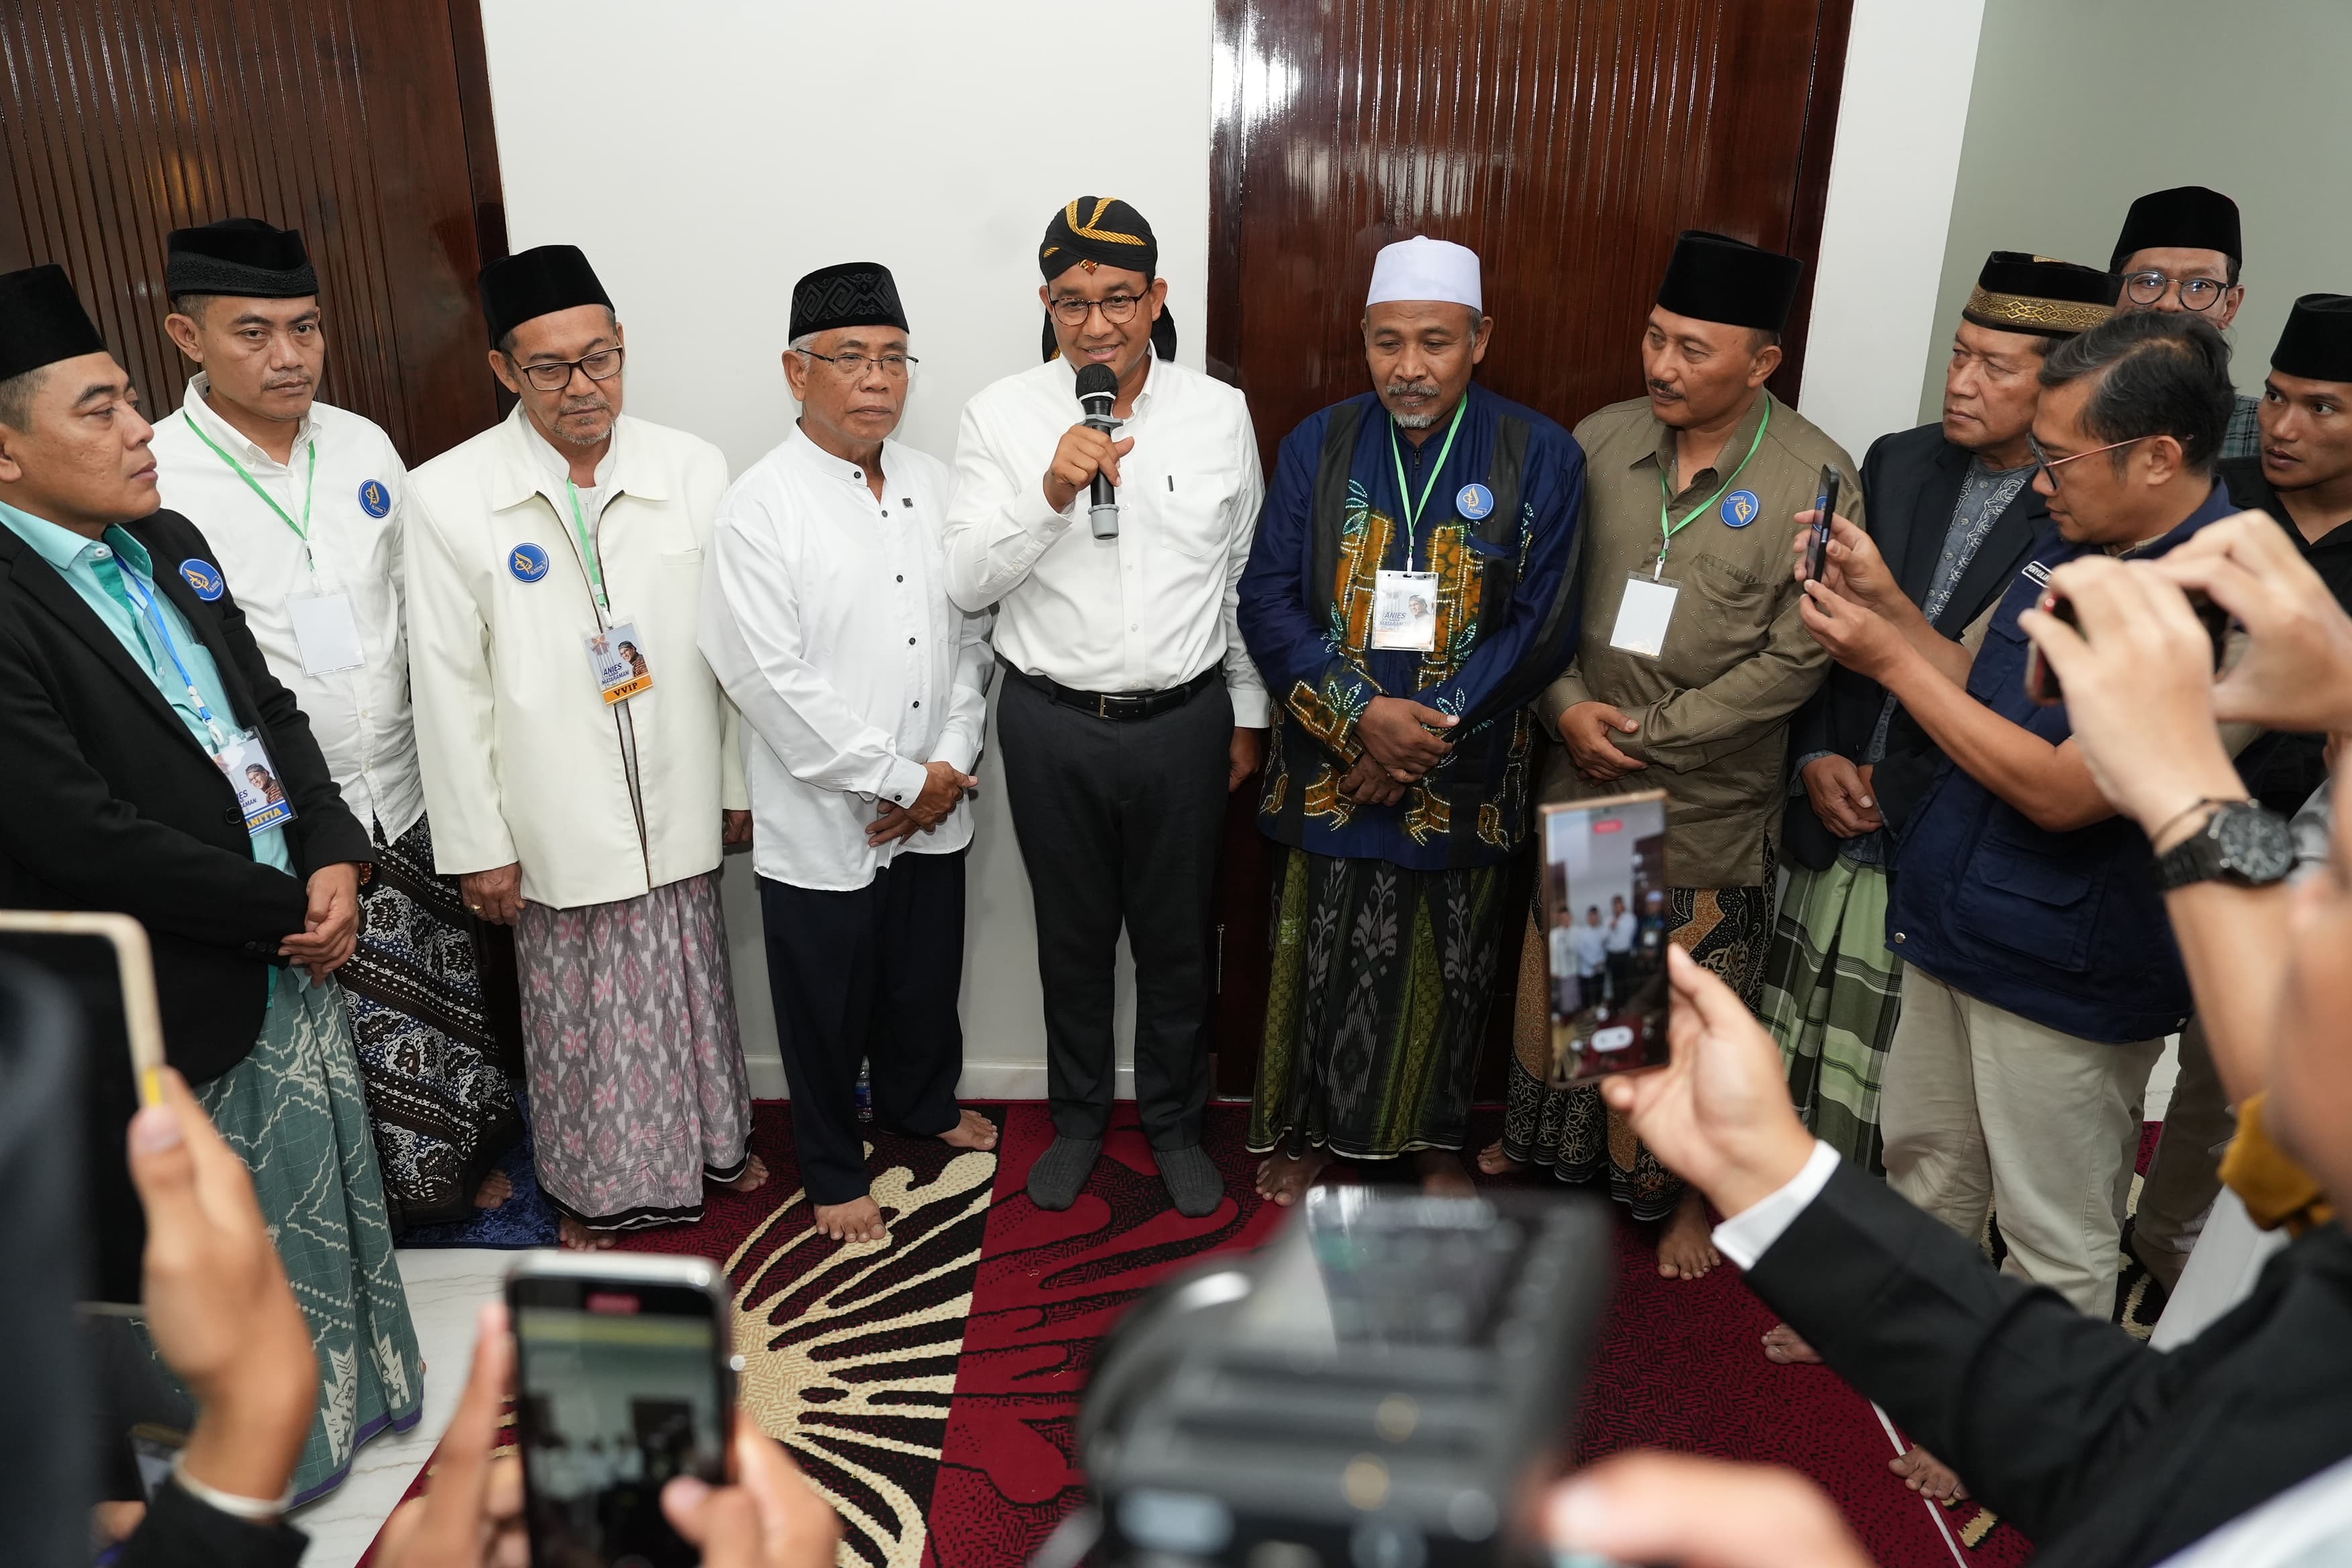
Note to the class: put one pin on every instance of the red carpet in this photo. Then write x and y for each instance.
(930, 1385)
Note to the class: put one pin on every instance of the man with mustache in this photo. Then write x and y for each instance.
(1691, 660)
(303, 502)
(586, 810)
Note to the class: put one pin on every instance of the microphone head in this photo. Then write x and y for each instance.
(1097, 381)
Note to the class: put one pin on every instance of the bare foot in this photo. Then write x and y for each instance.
(754, 1177)
(973, 1131)
(1685, 1250)
(495, 1189)
(1492, 1161)
(1284, 1178)
(1783, 1346)
(1442, 1176)
(1928, 1476)
(860, 1219)
(580, 1238)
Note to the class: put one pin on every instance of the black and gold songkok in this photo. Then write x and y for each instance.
(1103, 231)
(241, 257)
(2316, 344)
(2020, 292)
(42, 321)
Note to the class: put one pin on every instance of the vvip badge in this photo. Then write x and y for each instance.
(374, 499)
(617, 657)
(1739, 509)
(205, 578)
(1474, 503)
(528, 562)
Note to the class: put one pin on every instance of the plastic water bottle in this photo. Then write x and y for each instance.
(864, 1092)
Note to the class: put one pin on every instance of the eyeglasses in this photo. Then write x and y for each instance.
(555, 375)
(2196, 293)
(2050, 465)
(853, 366)
(1117, 310)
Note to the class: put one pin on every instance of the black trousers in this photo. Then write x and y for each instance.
(874, 973)
(1119, 824)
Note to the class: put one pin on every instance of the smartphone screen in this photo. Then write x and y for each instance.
(1604, 901)
(621, 1385)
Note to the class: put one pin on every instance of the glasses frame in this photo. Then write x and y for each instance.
(530, 372)
(906, 364)
(2179, 287)
(2050, 465)
(1087, 308)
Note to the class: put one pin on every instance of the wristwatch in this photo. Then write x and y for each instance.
(2240, 844)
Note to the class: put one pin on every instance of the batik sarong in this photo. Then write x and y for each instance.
(635, 1069)
(1832, 991)
(1377, 1008)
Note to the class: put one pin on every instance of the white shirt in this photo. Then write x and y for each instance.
(2309, 1525)
(1591, 949)
(826, 618)
(1623, 930)
(1146, 611)
(360, 716)
(1563, 950)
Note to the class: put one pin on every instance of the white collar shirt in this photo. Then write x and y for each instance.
(360, 716)
(1145, 611)
(826, 618)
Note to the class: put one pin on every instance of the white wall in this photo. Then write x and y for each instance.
(735, 144)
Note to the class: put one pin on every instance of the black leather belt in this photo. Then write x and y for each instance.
(1121, 706)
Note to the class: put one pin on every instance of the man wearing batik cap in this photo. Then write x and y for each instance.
(864, 691)
(1412, 587)
(1690, 662)
(303, 502)
(1129, 708)
(575, 797)
(2180, 250)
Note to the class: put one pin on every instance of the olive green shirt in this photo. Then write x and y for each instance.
(1714, 708)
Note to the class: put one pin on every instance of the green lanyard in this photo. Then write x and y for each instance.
(302, 529)
(1412, 511)
(1665, 494)
(587, 547)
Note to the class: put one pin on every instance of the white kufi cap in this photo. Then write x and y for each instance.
(1425, 268)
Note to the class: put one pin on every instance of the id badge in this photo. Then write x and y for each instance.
(1405, 610)
(246, 762)
(617, 657)
(1644, 614)
(326, 631)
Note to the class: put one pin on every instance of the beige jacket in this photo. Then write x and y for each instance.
(522, 759)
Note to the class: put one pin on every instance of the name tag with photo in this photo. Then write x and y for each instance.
(1405, 610)
(617, 657)
(245, 762)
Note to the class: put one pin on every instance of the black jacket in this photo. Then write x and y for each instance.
(1910, 482)
(2102, 1451)
(2280, 770)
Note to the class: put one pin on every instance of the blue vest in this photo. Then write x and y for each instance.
(2065, 929)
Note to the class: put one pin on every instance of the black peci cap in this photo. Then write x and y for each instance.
(2019, 292)
(1715, 278)
(2185, 218)
(538, 283)
(242, 256)
(42, 321)
(2316, 343)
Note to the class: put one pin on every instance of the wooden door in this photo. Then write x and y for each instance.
(1567, 142)
(364, 123)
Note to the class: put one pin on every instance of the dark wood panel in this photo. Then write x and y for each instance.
(366, 123)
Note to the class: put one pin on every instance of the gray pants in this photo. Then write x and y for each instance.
(2185, 1177)
(1119, 824)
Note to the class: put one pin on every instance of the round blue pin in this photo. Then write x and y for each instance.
(528, 562)
(374, 499)
(205, 578)
(1473, 502)
(1739, 509)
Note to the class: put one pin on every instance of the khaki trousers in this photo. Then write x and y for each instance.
(1983, 1111)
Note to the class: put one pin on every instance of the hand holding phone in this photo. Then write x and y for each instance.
(1605, 920)
(2042, 681)
(1825, 505)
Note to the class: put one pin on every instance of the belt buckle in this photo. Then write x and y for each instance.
(1102, 705)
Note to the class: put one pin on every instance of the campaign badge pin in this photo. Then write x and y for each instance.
(205, 578)
(1739, 509)
(1475, 502)
(374, 499)
(528, 562)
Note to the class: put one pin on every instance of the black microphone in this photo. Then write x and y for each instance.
(1097, 390)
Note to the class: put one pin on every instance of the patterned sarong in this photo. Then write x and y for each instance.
(1377, 1007)
(1832, 991)
(1573, 1129)
(295, 1111)
(638, 1085)
(442, 1108)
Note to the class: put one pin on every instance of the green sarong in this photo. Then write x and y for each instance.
(295, 1111)
(1832, 991)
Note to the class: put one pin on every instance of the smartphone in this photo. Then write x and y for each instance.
(1604, 903)
(625, 1377)
(1825, 505)
(2042, 681)
(135, 973)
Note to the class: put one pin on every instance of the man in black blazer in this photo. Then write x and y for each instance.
(113, 802)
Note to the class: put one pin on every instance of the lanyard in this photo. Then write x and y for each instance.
(1412, 511)
(147, 607)
(1666, 495)
(302, 529)
(587, 547)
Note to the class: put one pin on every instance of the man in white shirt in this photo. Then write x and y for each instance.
(1591, 945)
(1617, 949)
(302, 502)
(1130, 708)
(577, 793)
(865, 693)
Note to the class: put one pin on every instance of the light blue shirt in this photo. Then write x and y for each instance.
(95, 569)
